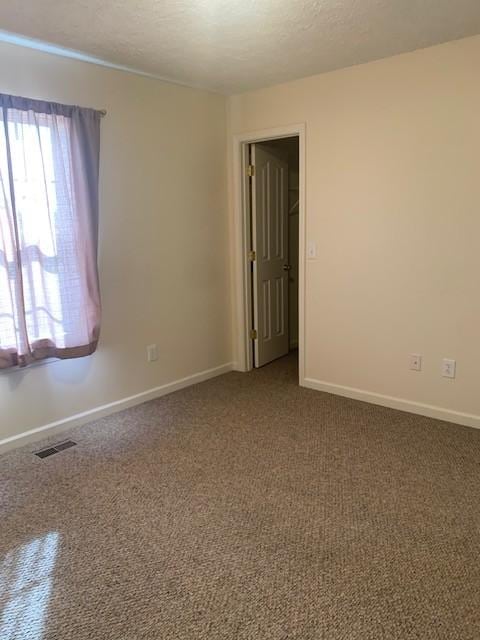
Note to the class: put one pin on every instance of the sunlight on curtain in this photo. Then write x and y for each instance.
(49, 299)
(26, 577)
(42, 217)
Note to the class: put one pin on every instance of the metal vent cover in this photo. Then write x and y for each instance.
(56, 448)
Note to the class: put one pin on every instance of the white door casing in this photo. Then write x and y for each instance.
(242, 272)
(270, 243)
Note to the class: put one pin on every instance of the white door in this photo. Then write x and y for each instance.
(270, 243)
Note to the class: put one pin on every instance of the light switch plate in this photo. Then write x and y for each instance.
(311, 249)
(152, 353)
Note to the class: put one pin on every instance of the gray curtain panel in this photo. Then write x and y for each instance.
(49, 291)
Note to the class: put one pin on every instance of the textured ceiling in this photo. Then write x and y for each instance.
(232, 45)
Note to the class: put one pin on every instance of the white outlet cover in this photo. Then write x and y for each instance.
(415, 362)
(449, 368)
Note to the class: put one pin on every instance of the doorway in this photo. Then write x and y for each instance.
(291, 139)
(273, 198)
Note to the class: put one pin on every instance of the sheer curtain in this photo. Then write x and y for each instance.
(49, 293)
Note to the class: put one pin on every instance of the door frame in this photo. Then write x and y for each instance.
(241, 232)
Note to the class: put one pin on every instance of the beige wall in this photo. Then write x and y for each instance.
(393, 192)
(163, 248)
(392, 201)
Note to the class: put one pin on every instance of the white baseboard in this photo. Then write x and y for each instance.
(113, 407)
(431, 411)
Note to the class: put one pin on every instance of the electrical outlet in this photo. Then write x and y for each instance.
(152, 353)
(311, 249)
(415, 362)
(449, 368)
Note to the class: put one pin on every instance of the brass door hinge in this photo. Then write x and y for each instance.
(253, 334)
(250, 171)
(252, 256)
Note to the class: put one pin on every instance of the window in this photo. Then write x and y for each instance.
(49, 295)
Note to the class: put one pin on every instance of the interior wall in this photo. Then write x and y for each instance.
(392, 196)
(163, 238)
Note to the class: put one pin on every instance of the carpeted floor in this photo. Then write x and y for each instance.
(245, 508)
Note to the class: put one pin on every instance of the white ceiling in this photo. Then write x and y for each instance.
(235, 45)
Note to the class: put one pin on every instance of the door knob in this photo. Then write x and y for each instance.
(287, 267)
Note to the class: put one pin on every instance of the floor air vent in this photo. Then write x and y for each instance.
(56, 448)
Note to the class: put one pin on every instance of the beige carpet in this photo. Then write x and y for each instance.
(245, 508)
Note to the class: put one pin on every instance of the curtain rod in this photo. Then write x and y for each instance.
(102, 112)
